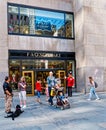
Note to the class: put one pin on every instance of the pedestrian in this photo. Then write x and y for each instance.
(58, 83)
(22, 92)
(8, 95)
(38, 88)
(92, 89)
(51, 84)
(70, 83)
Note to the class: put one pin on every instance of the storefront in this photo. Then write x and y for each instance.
(37, 64)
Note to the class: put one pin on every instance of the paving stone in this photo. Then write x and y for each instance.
(83, 115)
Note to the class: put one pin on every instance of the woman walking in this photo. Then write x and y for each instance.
(92, 89)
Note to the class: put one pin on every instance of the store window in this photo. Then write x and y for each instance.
(43, 64)
(69, 25)
(60, 67)
(24, 21)
(71, 67)
(13, 19)
(34, 21)
(14, 73)
(48, 23)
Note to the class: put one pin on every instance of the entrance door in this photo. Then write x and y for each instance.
(29, 76)
(58, 74)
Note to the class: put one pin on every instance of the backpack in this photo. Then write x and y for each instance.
(96, 85)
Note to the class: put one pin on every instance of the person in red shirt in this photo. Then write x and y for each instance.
(38, 87)
(70, 83)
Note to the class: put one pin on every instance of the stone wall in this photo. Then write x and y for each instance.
(2, 79)
(90, 42)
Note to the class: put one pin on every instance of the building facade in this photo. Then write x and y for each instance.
(38, 36)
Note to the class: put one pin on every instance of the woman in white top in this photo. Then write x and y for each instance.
(22, 92)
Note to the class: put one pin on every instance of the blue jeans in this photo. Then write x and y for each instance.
(50, 97)
(92, 92)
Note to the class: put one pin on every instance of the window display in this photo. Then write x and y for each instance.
(39, 22)
(24, 21)
(14, 73)
(13, 20)
(69, 25)
(49, 23)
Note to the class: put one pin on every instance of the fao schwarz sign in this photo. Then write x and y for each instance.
(33, 54)
(40, 55)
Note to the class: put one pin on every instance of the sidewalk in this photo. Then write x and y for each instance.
(83, 115)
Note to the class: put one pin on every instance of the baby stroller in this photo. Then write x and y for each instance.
(61, 100)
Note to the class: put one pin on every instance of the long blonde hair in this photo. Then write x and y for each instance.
(22, 78)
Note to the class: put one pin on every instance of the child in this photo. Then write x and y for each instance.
(38, 87)
(63, 98)
(47, 92)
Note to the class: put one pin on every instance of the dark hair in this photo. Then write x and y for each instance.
(70, 72)
(6, 78)
(90, 77)
(38, 79)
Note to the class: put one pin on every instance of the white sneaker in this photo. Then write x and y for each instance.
(89, 99)
(21, 106)
(24, 106)
(98, 99)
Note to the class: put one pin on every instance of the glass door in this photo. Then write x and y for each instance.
(29, 76)
(61, 74)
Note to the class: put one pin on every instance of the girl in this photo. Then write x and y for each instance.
(92, 89)
(38, 87)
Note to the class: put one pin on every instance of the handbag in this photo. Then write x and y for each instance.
(52, 93)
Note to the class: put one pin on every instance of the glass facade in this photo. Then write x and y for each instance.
(16, 67)
(39, 22)
(13, 19)
(43, 64)
(38, 64)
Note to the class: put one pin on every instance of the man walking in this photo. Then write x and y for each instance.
(8, 95)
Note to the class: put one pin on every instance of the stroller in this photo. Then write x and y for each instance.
(61, 100)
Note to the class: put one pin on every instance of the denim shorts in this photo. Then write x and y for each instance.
(38, 94)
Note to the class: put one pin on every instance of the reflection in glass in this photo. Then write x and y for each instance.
(42, 64)
(70, 66)
(14, 73)
(69, 25)
(32, 21)
(24, 21)
(13, 20)
(29, 77)
(27, 64)
(49, 23)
